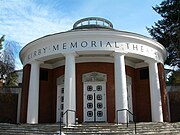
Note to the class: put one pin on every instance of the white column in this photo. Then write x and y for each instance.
(120, 87)
(70, 88)
(156, 104)
(33, 97)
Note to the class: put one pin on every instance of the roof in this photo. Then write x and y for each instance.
(92, 22)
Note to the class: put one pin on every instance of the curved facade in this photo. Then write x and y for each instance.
(95, 71)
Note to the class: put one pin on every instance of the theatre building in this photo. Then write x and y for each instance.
(94, 73)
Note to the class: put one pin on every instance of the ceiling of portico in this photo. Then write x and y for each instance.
(55, 60)
(86, 55)
(134, 60)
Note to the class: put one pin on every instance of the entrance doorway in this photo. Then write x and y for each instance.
(94, 97)
(94, 102)
(60, 102)
(60, 98)
(129, 97)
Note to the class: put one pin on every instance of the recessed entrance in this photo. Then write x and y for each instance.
(129, 97)
(94, 97)
(94, 102)
(60, 98)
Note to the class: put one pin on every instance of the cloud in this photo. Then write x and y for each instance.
(24, 21)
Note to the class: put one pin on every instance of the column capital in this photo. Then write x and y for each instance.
(71, 54)
(150, 61)
(36, 62)
(118, 54)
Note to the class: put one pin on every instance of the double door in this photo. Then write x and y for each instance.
(94, 102)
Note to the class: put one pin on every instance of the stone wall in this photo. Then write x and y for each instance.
(9, 105)
(174, 102)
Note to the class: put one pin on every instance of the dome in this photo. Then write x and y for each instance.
(92, 22)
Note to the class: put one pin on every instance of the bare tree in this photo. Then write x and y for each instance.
(1, 41)
(7, 63)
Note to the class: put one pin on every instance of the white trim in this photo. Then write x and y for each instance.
(19, 105)
(94, 77)
(57, 44)
(59, 102)
(60, 80)
(129, 96)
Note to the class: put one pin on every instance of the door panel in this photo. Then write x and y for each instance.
(60, 102)
(129, 97)
(94, 102)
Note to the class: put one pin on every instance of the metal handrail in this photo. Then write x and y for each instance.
(66, 112)
(127, 111)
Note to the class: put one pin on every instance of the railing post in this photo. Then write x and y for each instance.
(67, 118)
(134, 118)
(60, 125)
(127, 117)
(66, 113)
(75, 117)
(117, 116)
(128, 112)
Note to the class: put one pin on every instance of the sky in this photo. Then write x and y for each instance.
(23, 21)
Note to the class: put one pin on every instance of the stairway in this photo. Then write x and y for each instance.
(113, 129)
(91, 129)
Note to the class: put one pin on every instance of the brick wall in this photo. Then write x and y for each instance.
(142, 98)
(46, 98)
(163, 91)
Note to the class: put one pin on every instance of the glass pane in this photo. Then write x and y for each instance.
(61, 114)
(89, 105)
(99, 105)
(99, 97)
(99, 113)
(62, 99)
(89, 88)
(62, 90)
(62, 106)
(89, 113)
(99, 88)
(89, 97)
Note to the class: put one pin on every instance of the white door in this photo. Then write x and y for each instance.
(94, 102)
(60, 102)
(129, 97)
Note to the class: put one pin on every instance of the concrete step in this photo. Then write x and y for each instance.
(142, 128)
(90, 129)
